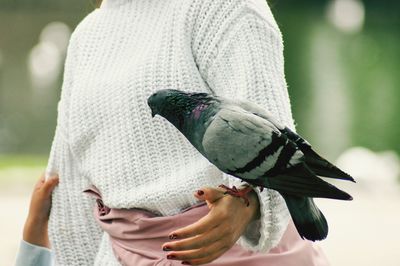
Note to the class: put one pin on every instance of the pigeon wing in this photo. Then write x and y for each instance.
(258, 111)
(241, 143)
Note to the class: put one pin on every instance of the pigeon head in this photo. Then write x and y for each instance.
(175, 105)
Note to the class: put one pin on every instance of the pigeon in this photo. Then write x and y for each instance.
(244, 140)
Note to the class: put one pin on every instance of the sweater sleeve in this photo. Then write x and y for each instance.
(74, 235)
(32, 255)
(246, 62)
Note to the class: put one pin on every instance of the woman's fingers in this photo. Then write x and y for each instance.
(50, 184)
(209, 259)
(204, 224)
(198, 241)
(41, 199)
(208, 252)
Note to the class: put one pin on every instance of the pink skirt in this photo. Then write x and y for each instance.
(137, 237)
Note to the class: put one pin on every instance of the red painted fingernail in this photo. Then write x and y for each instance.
(186, 263)
(200, 192)
(173, 236)
(171, 257)
(166, 248)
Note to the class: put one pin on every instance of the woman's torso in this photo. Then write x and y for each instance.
(126, 51)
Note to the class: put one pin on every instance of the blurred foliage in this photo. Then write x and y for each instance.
(76, 6)
(16, 160)
(369, 60)
(21, 169)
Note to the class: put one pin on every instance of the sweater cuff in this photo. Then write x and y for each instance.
(31, 255)
(264, 233)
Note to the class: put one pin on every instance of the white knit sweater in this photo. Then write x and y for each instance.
(118, 56)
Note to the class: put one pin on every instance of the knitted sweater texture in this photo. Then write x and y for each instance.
(120, 54)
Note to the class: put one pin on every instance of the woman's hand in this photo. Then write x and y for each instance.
(214, 234)
(35, 229)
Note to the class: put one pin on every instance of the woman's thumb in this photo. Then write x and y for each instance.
(50, 184)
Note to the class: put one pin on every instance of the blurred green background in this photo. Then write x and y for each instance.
(342, 60)
(342, 68)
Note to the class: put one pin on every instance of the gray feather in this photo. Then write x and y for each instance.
(250, 133)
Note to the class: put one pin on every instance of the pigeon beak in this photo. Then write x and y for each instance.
(153, 114)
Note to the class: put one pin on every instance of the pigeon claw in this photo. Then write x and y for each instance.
(240, 193)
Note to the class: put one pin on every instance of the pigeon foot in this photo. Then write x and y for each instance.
(240, 193)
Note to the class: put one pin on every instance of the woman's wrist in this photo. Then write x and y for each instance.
(35, 232)
(254, 202)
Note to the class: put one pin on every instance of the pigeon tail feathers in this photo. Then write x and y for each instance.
(300, 181)
(308, 219)
(322, 167)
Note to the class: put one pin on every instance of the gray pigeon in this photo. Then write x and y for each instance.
(244, 140)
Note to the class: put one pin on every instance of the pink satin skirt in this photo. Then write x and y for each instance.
(137, 237)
